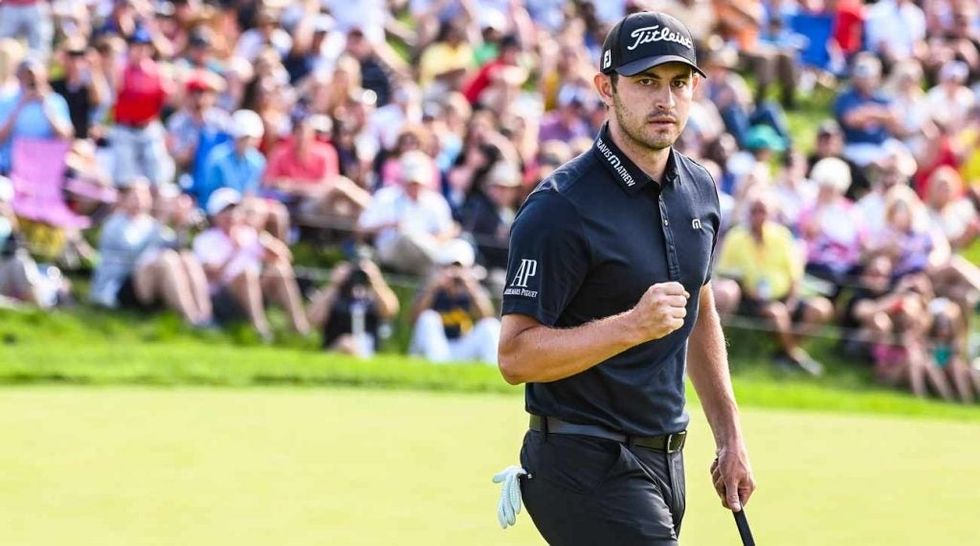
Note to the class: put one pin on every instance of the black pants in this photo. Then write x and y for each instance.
(585, 491)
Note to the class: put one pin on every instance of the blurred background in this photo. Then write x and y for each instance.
(202, 198)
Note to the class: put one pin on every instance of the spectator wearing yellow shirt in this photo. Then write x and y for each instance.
(446, 60)
(765, 260)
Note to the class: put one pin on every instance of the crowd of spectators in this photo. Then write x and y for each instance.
(197, 142)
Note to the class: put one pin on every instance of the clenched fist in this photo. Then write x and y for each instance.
(660, 311)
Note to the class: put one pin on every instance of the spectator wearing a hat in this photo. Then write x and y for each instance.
(951, 99)
(304, 173)
(865, 114)
(568, 121)
(34, 111)
(246, 268)
(198, 126)
(140, 266)
(82, 85)
(834, 230)
(29, 20)
(489, 213)
(763, 257)
(138, 137)
(409, 223)
(453, 316)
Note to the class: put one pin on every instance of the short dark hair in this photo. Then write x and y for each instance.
(614, 79)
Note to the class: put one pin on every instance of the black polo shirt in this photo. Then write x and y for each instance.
(587, 244)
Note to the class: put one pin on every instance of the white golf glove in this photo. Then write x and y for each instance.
(510, 494)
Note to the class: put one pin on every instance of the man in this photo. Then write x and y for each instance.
(199, 126)
(410, 223)
(865, 113)
(453, 315)
(763, 257)
(29, 19)
(82, 85)
(598, 318)
(33, 112)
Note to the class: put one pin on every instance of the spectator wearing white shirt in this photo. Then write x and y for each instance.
(245, 267)
(410, 223)
(950, 100)
(268, 33)
(896, 30)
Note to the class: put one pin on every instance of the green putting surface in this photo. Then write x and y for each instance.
(200, 466)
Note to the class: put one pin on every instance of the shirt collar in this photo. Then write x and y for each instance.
(629, 177)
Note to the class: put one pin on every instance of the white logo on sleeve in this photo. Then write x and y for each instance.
(696, 223)
(518, 287)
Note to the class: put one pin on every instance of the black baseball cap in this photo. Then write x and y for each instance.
(646, 39)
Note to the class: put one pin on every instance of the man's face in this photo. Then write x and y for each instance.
(758, 213)
(652, 107)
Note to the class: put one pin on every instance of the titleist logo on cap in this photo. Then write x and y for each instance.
(658, 33)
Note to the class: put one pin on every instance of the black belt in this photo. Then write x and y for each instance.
(669, 443)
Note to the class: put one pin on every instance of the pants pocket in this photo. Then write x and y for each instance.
(579, 464)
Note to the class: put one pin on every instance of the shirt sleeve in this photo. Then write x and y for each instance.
(549, 258)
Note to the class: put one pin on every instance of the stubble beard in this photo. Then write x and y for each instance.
(633, 126)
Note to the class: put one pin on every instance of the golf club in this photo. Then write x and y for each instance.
(743, 528)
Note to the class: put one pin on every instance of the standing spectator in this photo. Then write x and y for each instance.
(30, 20)
(410, 223)
(246, 268)
(199, 126)
(765, 260)
(138, 138)
(446, 61)
(352, 307)
(453, 315)
(33, 112)
(83, 86)
(865, 114)
(139, 265)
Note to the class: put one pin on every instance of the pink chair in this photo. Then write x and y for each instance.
(38, 174)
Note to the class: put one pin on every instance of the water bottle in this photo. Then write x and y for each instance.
(764, 289)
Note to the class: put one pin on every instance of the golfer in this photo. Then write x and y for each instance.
(609, 266)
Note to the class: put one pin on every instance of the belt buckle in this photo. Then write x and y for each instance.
(671, 438)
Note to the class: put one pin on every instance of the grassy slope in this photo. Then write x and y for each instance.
(141, 467)
(87, 346)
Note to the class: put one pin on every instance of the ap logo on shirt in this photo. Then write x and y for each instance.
(518, 287)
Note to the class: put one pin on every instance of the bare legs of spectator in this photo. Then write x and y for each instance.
(267, 215)
(166, 277)
(817, 312)
(279, 283)
(727, 295)
(779, 315)
(199, 283)
(248, 292)
(962, 379)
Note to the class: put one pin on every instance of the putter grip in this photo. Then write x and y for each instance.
(743, 528)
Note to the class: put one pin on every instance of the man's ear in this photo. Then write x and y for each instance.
(603, 85)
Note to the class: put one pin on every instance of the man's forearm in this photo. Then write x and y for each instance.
(708, 370)
(541, 354)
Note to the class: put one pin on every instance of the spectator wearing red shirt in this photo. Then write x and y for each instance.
(304, 171)
(494, 79)
(138, 138)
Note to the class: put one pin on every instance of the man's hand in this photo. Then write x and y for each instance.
(660, 311)
(732, 477)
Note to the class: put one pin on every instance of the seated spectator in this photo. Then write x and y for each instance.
(446, 61)
(34, 111)
(830, 143)
(864, 317)
(915, 115)
(833, 228)
(947, 347)
(140, 265)
(763, 257)
(793, 191)
(247, 268)
(351, 309)
(895, 30)
(488, 215)
(865, 113)
(567, 122)
(199, 126)
(915, 246)
(894, 171)
(21, 279)
(949, 210)
(453, 316)
(410, 223)
(239, 165)
(138, 138)
(951, 99)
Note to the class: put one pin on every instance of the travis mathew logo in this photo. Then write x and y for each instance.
(518, 287)
(617, 164)
(657, 33)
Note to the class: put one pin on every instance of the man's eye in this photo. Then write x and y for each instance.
(645, 81)
(680, 84)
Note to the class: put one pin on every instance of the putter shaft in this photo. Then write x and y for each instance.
(743, 528)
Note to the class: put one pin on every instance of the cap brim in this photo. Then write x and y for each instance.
(637, 66)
